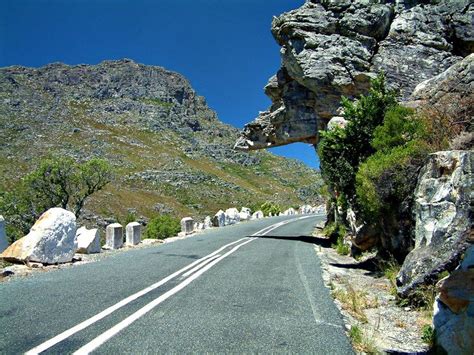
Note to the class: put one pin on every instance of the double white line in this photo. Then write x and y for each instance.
(192, 272)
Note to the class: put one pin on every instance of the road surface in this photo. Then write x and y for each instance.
(251, 287)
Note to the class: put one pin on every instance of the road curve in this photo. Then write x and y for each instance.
(251, 287)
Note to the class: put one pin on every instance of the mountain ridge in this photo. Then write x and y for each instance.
(168, 148)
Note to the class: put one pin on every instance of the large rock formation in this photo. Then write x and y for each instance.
(51, 240)
(330, 49)
(453, 318)
(443, 218)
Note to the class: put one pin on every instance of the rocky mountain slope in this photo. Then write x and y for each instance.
(169, 151)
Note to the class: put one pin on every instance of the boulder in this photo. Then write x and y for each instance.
(187, 225)
(453, 318)
(305, 209)
(133, 234)
(3, 235)
(331, 49)
(257, 215)
(232, 216)
(207, 222)
(114, 236)
(219, 219)
(245, 214)
(88, 241)
(289, 212)
(443, 218)
(51, 240)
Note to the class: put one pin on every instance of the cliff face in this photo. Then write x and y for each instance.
(169, 150)
(330, 49)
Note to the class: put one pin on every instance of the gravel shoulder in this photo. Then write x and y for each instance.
(369, 308)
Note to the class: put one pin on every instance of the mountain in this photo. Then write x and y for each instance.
(169, 150)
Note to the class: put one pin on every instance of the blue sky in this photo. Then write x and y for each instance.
(224, 47)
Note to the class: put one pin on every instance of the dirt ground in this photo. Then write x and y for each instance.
(365, 297)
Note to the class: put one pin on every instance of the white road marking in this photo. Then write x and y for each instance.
(101, 339)
(205, 266)
(204, 263)
(71, 331)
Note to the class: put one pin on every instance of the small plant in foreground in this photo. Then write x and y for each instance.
(428, 335)
(361, 342)
(341, 247)
(354, 302)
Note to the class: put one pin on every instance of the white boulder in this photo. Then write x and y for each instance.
(51, 240)
(289, 212)
(305, 209)
(133, 233)
(114, 236)
(232, 216)
(219, 219)
(257, 215)
(245, 214)
(207, 222)
(88, 241)
(187, 225)
(3, 235)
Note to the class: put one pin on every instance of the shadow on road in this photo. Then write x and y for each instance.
(303, 238)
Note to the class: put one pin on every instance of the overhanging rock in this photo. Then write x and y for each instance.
(333, 49)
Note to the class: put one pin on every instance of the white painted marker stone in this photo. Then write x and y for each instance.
(133, 233)
(3, 235)
(187, 225)
(114, 236)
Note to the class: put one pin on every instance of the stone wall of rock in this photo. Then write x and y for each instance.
(330, 49)
(453, 318)
(443, 214)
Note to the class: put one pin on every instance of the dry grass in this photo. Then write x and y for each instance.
(354, 301)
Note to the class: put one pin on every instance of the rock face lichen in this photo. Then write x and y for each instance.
(330, 49)
(443, 218)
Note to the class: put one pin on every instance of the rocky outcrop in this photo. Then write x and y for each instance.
(245, 214)
(88, 241)
(451, 92)
(232, 216)
(3, 235)
(453, 318)
(330, 49)
(219, 219)
(51, 240)
(443, 218)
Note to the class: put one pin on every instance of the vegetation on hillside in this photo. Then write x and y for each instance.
(57, 182)
(372, 164)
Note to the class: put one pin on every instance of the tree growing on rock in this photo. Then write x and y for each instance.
(57, 182)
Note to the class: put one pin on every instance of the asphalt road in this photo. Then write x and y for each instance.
(260, 294)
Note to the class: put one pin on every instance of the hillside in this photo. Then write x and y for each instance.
(169, 150)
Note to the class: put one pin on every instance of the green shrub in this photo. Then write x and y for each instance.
(57, 182)
(387, 179)
(341, 247)
(270, 207)
(399, 127)
(342, 150)
(162, 227)
(428, 335)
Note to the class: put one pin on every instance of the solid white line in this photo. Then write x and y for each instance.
(71, 331)
(204, 263)
(101, 339)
